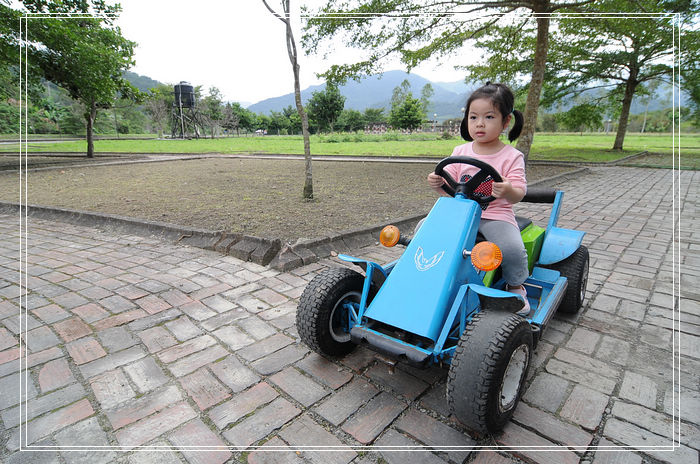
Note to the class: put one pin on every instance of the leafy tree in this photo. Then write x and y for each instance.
(158, 105)
(326, 106)
(308, 192)
(86, 59)
(622, 53)
(278, 122)
(426, 94)
(407, 115)
(399, 27)
(211, 110)
(374, 116)
(400, 92)
(351, 121)
(582, 116)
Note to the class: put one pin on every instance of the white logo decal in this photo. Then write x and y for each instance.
(423, 264)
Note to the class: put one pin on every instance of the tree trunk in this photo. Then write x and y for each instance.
(625, 113)
(533, 95)
(90, 117)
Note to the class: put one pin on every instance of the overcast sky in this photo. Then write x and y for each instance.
(237, 46)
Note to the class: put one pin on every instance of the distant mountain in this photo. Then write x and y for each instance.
(143, 83)
(375, 92)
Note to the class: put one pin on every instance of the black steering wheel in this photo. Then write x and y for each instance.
(467, 188)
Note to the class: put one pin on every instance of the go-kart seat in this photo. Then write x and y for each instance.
(534, 195)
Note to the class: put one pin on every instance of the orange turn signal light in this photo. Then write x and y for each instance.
(486, 256)
(389, 236)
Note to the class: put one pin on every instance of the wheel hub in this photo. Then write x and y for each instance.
(513, 377)
(338, 323)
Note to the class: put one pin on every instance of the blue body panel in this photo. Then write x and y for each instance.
(422, 286)
(559, 244)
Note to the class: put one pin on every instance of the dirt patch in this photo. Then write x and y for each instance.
(253, 197)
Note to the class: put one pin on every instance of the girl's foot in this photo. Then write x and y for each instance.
(520, 290)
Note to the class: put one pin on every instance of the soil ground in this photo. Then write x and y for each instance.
(259, 197)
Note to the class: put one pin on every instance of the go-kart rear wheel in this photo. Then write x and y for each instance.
(488, 370)
(575, 269)
(322, 315)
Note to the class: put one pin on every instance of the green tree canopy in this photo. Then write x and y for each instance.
(326, 106)
(408, 114)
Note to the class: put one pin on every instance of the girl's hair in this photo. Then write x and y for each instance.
(502, 98)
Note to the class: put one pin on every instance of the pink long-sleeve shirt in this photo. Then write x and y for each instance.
(509, 163)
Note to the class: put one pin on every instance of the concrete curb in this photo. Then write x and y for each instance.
(266, 252)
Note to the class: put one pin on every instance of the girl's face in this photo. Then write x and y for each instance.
(484, 122)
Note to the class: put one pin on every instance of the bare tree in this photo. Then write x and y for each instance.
(159, 112)
(292, 52)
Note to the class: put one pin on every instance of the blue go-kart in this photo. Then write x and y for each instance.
(444, 301)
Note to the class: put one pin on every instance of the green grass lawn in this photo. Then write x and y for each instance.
(546, 146)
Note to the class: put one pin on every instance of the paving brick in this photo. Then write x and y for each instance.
(585, 407)
(116, 304)
(119, 319)
(588, 363)
(51, 313)
(552, 428)
(324, 371)
(209, 291)
(639, 389)
(305, 432)
(658, 423)
(85, 350)
(95, 293)
(372, 418)
(396, 448)
(55, 374)
(195, 361)
(301, 388)
(116, 339)
(359, 359)
(54, 421)
(263, 422)
(263, 348)
(436, 400)
(637, 437)
(547, 391)
(197, 311)
(279, 359)
(186, 348)
(234, 337)
(242, 404)
(609, 453)
(153, 426)
(270, 297)
(28, 323)
(156, 339)
(218, 304)
(90, 312)
(86, 433)
(518, 438)
(35, 457)
(204, 389)
(111, 361)
(9, 355)
(152, 304)
(280, 453)
(256, 327)
(43, 404)
(9, 389)
(613, 350)
(142, 407)
(435, 434)
(578, 375)
(70, 300)
(146, 374)
(583, 340)
(399, 381)
(183, 328)
(234, 374)
(36, 340)
(176, 298)
(159, 452)
(491, 457)
(197, 435)
(111, 388)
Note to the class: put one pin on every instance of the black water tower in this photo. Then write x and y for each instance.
(184, 95)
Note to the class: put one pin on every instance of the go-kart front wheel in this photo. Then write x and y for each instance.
(488, 370)
(323, 314)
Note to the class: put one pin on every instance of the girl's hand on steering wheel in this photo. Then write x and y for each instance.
(435, 181)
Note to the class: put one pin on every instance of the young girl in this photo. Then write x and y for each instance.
(489, 112)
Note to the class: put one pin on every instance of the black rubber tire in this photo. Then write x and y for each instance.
(575, 269)
(316, 307)
(477, 374)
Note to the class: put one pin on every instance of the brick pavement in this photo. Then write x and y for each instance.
(140, 351)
